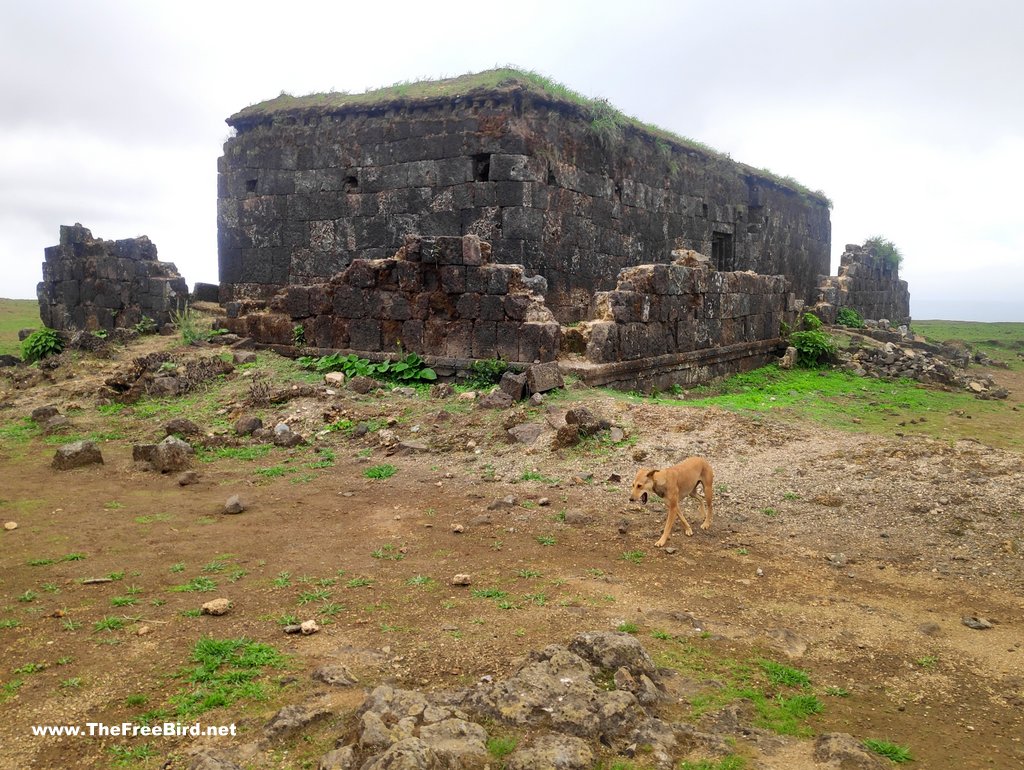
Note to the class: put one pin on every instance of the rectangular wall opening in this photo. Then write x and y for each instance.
(722, 254)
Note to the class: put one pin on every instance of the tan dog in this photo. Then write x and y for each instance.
(674, 483)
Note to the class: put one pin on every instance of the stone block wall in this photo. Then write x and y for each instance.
(92, 284)
(673, 324)
(867, 283)
(303, 192)
(439, 297)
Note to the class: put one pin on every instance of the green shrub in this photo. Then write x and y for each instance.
(298, 335)
(146, 326)
(487, 372)
(410, 368)
(885, 249)
(40, 344)
(847, 316)
(814, 347)
(188, 322)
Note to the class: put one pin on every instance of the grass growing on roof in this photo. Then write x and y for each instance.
(606, 121)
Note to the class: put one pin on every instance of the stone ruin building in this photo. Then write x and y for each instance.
(490, 216)
(868, 283)
(92, 284)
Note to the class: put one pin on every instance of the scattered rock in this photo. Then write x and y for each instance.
(514, 384)
(77, 455)
(8, 360)
(978, 624)
(338, 759)
(557, 752)
(179, 426)
(308, 627)
(496, 400)
(284, 436)
(243, 357)
(844, 751)
(616, 434)
(639, 455)
(788, 359)
(216, 607)
(457, 528)
(10, 525)
(335, 379)
(836, 559)
(527, 433)
(337, 675)
(413, 447)
(171, 454)
(461, 579)
(577, 518)
(234, 504)
(211, 759)
(536, 399)
(544, 502)
(502, 502)
(544, 377)
(363, 385)
(247, 424)
(566, 436)
(467, 395)
(441, 390)
(291, 719)
(43, 413)
(56, 424)
(930, 629)
(187, 478)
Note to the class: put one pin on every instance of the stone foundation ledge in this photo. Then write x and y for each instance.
(661, 372)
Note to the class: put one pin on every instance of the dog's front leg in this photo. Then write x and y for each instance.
(673, 514)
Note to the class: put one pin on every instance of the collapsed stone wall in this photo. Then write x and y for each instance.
(304, 191)
(440, 297)
(868, 283)
(92, 284)
(676, 324)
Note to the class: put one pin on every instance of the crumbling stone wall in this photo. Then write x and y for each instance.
(303, 192)
(440, 297)
(867, 283)
(92, 284)
(676, 324)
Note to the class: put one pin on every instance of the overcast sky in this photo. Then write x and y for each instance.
(909, 115)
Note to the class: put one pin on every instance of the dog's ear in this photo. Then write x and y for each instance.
(651, 472)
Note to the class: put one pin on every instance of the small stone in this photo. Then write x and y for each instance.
(247, 425)
(469, 395)
(216, 607)
(496, 400)
(187, 478)
(77, 455)
(181, 427)
(616, 434)
(536, 399)
(759, 572)
(441, 390)
(43, 413)
(10, 525)
(336, 675)
(544, 502)
(978, 624)
(234, 504)
(503, 502)
(930, 629)
(56, 424)
(639, 455)
(142, 630)
(614, 478)
(458, 529)
(671, 549)
(461, 579)
(242, 357)
(309, 627)
(836, 559)
(335, 379)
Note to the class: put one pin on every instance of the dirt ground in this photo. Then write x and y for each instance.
(854, 557)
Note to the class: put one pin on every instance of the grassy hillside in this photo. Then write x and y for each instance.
(1003, 341)
(16, 314)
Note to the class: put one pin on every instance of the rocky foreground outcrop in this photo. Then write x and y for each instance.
(601, 693)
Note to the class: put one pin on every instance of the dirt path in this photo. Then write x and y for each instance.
(856, 555)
